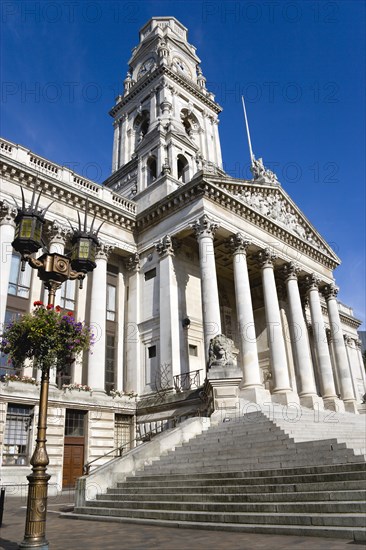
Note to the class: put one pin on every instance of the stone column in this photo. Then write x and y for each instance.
(251, 384)
(152, 106)
(116, 139)
(121, 296)
(133, 345)
(321, 346)
(169, 308)
(98, 306)
(299, 339)
(205, 229)
(330, 292)
(282, 392)
(7, 230)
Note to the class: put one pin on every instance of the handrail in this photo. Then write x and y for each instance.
(142, 438)
(86, 467)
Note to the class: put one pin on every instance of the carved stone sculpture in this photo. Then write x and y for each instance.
(222, 353)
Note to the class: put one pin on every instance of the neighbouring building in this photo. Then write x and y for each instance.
(210, 292)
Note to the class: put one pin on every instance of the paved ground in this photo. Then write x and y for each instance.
(67, 534)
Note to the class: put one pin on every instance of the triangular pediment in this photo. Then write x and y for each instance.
(273, 203)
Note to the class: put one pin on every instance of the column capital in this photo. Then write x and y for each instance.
(9, 213)
(133, 263)
(238, 244)
(58, 233)
(330, 291)
(205, 227)
(266, 258)
(104, 251)
(166, 246)
(312, 282)
(291, 271)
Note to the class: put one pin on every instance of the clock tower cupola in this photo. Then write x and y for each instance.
(166, 121)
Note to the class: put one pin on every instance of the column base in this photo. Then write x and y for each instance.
(351, 406)
(285, 398)
(313, 402)
(256, 394)
(334, 404)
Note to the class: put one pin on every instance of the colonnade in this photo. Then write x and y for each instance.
(252, 385)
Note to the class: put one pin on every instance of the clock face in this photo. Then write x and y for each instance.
(146, 67)
(182, 67)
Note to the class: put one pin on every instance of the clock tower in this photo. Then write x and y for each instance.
(166, 121)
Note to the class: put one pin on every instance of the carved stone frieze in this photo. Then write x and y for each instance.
(272, 205)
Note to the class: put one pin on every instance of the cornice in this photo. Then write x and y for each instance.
(346, 319)
(199, 187)
(148, 79)
(66, 193)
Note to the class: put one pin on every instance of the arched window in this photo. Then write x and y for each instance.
(182, 168)
(151, 170)
(141, 126)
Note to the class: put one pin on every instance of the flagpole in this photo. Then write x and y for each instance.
(252, 158)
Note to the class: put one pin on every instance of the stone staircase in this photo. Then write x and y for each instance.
(262, 473)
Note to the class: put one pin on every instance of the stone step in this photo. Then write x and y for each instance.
(317, 470)
(352, 520)
(329, 507)
(356, 534)
(217, 486)
(204, 496)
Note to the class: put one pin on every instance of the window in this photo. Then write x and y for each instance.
(19, 281)
(5, 367)
(111, 302)
(122, 432)
(74, 423)
(151, 170)
(68, 289)
(110, 363)
(182, 168)
(193, 350)
(150, 274)
(17, 429)
(152, 352)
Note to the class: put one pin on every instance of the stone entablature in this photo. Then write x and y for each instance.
(187, 84)
(199, 187)
(65, 186)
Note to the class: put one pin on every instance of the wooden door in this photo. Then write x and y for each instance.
(73, 461)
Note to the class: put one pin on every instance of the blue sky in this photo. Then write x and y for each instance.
(300, 65)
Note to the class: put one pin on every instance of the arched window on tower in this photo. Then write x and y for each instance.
(141, 126)
(182, 169)
(151, 170)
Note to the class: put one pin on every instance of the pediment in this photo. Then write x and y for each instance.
(273, 203)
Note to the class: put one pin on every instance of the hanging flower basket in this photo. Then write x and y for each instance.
(47, 336)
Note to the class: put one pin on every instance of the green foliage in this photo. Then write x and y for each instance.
(46, 336)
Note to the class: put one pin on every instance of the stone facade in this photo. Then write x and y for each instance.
(191, 259)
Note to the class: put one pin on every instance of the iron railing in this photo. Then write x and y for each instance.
(187, 381)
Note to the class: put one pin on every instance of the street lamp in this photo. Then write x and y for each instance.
(53, 269)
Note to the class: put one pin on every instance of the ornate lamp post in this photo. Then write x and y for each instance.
(53, 269)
